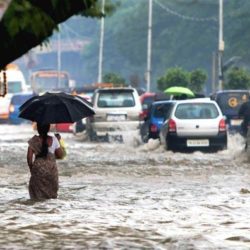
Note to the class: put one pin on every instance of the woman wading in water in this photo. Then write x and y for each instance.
(42, 153)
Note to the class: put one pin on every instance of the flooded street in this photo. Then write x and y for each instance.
(126, 196)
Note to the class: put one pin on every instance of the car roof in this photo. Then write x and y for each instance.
(146, 94)
(198, 100)
(115, 89)
(163, 101)
(23, 94)
(232, 91)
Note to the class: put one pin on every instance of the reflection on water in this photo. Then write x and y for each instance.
(127, 196)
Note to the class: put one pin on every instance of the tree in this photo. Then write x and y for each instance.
(174, 77)
(28, 23)
(237, 78)
(198, 78)
(134, 80)
(114, 78)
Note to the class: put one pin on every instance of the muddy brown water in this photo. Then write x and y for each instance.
(126, 196)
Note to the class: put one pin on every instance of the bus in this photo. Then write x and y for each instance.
(230, 102)
(50, 80)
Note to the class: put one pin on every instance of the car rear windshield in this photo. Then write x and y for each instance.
(162, 110)
(116, 99)
(196, 111)
(148, 100)
(20, 99)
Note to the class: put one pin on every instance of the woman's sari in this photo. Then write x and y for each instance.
(43, 182)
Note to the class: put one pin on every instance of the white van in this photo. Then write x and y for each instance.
(16, 83)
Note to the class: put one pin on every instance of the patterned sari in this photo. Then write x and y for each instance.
(43, 182)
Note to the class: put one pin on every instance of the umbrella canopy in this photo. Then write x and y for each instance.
(177, 91)
(56, 108)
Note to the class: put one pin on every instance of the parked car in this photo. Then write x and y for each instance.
(15, 102)
(195, 124)
(230, 102)
(158, 113)
(117, 110)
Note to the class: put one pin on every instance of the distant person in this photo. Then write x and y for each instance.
(43, 150)
(244, 112)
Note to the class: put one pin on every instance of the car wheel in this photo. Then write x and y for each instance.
(92, 135)
(145, 137)
(79, 127)
(167, 146)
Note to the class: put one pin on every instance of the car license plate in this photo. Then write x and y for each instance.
(236, 122)
(116, 118)
(198, 143)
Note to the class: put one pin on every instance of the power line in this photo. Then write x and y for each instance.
(69, 29)
(190, 18)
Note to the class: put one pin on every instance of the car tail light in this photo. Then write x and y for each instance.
(11, 108)
(142, 115)
(153, 128)
(222, 125)
(171, 125)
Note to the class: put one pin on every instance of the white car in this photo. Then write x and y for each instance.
(195, 124)
(117, 110)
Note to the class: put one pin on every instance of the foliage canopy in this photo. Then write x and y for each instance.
(27, 23)
(237, 78)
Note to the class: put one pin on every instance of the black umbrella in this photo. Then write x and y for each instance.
(56, 108)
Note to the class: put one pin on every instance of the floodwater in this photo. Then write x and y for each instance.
(126, 196)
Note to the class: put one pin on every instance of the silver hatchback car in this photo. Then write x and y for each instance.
(117, 110)
(195, 124)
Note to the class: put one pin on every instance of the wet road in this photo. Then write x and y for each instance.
(126, 196)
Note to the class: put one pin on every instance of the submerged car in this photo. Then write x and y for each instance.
(158, 113)
(80, 126)
(148, 98)
(195, 124)
(15, 102)
(117, 110)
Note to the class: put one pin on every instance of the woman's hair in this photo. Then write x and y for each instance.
(43, 130)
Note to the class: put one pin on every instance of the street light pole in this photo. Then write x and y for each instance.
(220, 45)
(59, 59)
(99, 80)
(149, 50)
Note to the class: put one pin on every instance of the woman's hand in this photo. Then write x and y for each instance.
(58, 136)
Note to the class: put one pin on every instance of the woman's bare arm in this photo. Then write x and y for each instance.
(30, 157)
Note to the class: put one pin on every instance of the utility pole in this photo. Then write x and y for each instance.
(59, 66)
(214, 72)
(220, 46)
(101, 44)
(149, 50)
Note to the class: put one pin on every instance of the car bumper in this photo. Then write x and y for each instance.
(154, 135)
(4, 116)
(218, 141)
(102, 128)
